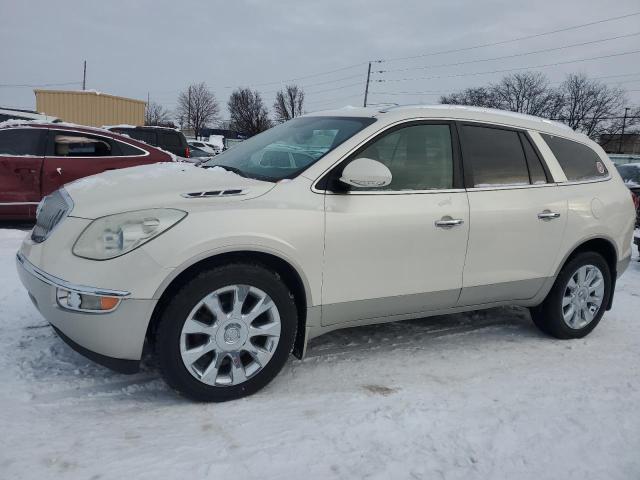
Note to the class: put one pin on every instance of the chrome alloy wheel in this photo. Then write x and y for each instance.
(583, 296)
(230, 335)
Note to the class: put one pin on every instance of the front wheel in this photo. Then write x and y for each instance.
(578, 298)
(227, 333)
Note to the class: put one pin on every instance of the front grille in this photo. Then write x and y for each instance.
(53, 209)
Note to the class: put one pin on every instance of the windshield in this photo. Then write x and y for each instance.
(284, 151)
(630, 173)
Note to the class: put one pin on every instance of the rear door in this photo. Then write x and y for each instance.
(21, 158)
(517, 215)
(75, 154)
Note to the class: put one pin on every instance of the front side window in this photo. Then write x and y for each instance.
(284, 151)
(72, 144)
(420, 157)
(578, 161)
(493, 157)
(22, 141)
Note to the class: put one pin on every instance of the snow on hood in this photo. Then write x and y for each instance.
(155, 186)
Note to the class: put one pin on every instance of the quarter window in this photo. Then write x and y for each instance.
(127, 150)
(493, 157)
(420, 157)
(578, 161)
(22, 141)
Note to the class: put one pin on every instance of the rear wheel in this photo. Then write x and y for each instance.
(227, 333)
(578, 298)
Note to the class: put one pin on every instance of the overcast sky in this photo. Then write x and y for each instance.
(158, 47)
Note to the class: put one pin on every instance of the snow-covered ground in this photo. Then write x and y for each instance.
(481, 395)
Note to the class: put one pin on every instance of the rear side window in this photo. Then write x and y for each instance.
(170, 141)
(536, 170)
(578, 161)
(22, 141)
(76, 144)
(142, 135)
(493, 157)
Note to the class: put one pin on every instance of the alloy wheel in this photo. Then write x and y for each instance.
(583, 296)
(230, 335)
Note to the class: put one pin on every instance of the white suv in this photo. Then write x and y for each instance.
(384, 215)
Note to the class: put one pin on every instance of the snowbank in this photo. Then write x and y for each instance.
(474, 396)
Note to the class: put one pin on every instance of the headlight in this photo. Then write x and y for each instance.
(114, 235)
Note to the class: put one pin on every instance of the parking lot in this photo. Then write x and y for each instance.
(478, 395)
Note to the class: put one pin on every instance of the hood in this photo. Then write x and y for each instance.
(176, 185)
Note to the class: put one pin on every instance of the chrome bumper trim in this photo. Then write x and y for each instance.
(58, 282)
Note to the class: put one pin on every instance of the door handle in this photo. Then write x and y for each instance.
(548, 215)
(448, 222)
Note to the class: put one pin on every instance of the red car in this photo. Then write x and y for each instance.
(38, 158)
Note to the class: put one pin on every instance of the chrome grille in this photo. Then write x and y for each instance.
(51, 211)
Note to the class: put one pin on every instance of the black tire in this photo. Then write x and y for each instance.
(548, 315)
(175, 314)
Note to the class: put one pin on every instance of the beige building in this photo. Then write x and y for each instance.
(90, 107)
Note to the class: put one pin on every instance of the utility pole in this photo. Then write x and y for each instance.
(624, 124)
(84, 76)
(366, 88)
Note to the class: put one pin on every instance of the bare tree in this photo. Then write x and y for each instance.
(478, 97)
(527, 92)
(288, 103)
(156, 115)
(590, 105)
(247, 111)
(582, 103)
(197, 107)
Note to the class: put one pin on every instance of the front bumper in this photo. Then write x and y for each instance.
(114, 339)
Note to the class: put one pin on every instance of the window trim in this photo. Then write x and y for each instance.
(44, 139)
(527, 137)
(456, 158)
(518, 130)
(111, 141)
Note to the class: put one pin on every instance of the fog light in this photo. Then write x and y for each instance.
(84, 302)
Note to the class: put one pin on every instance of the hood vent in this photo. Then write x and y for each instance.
(214, 193)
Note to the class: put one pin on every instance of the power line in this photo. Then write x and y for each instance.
(618, 75)
(523, 54)
(334, 88)
(546, 65)
(517, 39)
(276, 82)
(27, 85)
(319, 83)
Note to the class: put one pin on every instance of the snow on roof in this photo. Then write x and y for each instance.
(458, 112)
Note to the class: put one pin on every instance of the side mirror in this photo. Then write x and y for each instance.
(366, 173)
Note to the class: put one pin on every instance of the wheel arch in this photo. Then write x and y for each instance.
(603, 246)
(291, 276)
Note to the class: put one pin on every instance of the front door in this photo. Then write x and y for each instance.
(517, 214)
(21, 156)
(399, 249)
